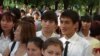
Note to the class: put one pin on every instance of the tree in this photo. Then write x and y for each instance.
(66, 4)
(1, 2)
(56, 4)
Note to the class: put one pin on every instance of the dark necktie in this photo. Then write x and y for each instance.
(66, 48)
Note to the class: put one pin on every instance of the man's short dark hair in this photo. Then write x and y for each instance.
(70, 14)
(86, 18)
(50, 15)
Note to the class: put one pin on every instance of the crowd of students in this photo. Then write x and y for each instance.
(38, 34)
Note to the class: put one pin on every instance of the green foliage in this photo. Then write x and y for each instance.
(78, 5)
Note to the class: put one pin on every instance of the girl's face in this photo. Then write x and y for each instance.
(33, 50)
(30, 10)
(17, 33)
(36, 16)
(52, 50)
(6, 25)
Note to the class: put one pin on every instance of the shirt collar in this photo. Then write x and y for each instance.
(81, 34)
(3, 37)
(43, 37)
(74, 38)
(52, 35)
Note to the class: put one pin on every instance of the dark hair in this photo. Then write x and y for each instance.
(27, 29)
(37, 41)
(16, 12)
(37, 13)
(49, 15)
(95, 28)
(71, 15)
(0, 16)
(22, 11)
(0, 26)
(29, 19)
(52, 41)
(9, 17)
(96, 17)
(79, 26)
(86, 18)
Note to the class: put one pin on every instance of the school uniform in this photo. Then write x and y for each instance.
(77, 46)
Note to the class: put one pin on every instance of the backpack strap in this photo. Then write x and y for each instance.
(12, 47)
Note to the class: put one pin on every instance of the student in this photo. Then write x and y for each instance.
(52, 47)
(49, 26)
(7, 23)
(95, 32)
(30, 11)
(25, 31)
(34, 47)
(74, 44)
(37, 19)
(85, 31)
(37, 15)
(23, 13)
(85, 27)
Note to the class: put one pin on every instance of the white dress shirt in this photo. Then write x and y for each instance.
(81, 34)
(78, 46)
(4, 42)
(39, 34)
(95, 43)
(88, 37)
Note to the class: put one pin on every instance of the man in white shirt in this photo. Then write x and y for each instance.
(77, 46)
(85, 24)
(49, 26)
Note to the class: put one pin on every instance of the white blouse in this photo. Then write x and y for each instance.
(15, 48)
(4, 42)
